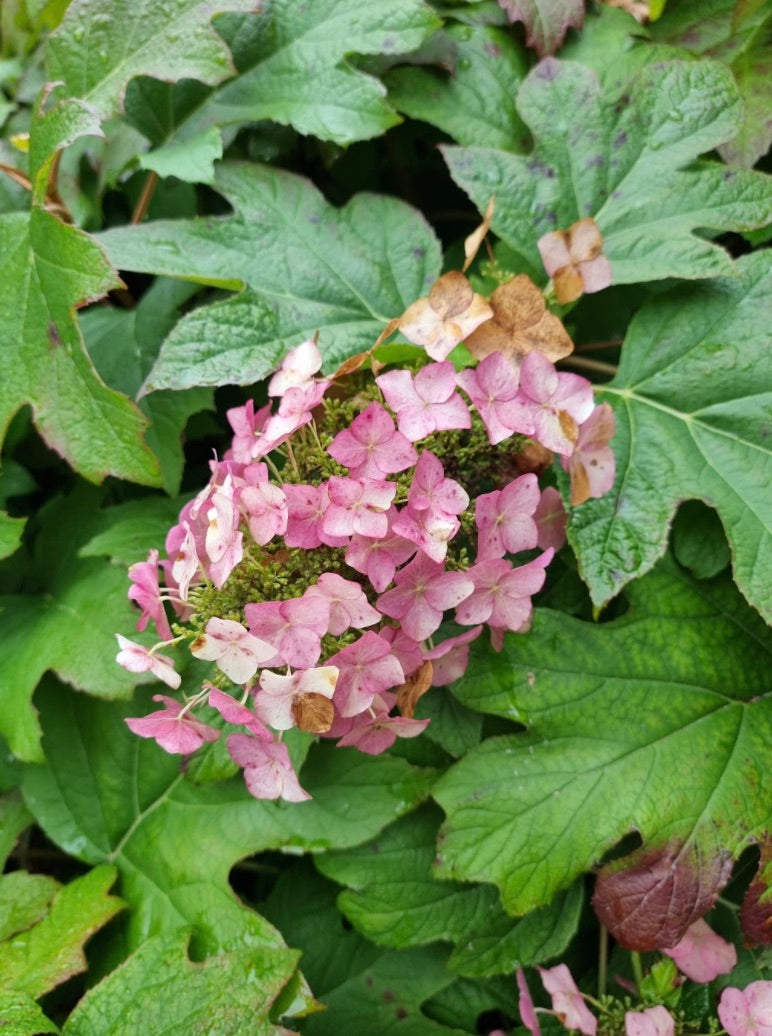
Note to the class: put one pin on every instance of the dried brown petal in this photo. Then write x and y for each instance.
(649, 904)
(584, 240)
(569, 285)
(449, 314)
(451, 294)
(313, 712)
(521, 324)
(413, 688)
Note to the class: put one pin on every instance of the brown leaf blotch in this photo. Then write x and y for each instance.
(650, 903)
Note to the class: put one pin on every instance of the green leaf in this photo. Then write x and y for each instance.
(546, 21)
(658, 723)
(21, 1016)
(46, 270)
(475, 103)
(453, 727)
(343, 272)
(393, 899)
(293, 70)
(699, 543)
(67, 627)
(140, 332)
(50, 950)
(53, 130)
(11, 530)
(14, 818)
(105, 794)
(192, 160)
(130, 529)
(159, 989)
(24, 901)
(691, 411)
(631, 169)
(101, 44)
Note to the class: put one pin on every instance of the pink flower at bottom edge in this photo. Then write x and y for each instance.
(654, 1021)
(567, 1002)
(268, 771)
(702, 954)
(747, 1012)
(525, 1005)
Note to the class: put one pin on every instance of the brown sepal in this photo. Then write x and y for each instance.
(476, 238)
(521, 324)
(649, 904)
(313, 712)
(413, 688)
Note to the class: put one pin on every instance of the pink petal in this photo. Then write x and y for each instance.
(654, 1021)
(702, 954)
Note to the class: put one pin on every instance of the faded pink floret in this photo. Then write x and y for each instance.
(294, 412)
(431, 491)
(235, 650)
(367, 667)
(247, 430)
(273, 702)
(358, 507)
(373, 734)
(427, 403)
(183, 554)
(567, 1002)
(502, 594)
(702, 954)
(654, 1021)
(233, 712)
(493, 387)
(525, 1005)
(138, 659)
(504, 518)
(550, 517)
(346, 602)
(294, 628)
(224, 541)
(431, 531)
(263, 504)
(306, 506)
(297, 368)
(547, 394)
(450, 658)
(372, 447)
(423, 591)
(379, 559)
(175, 733)
(147, 594)
(747, 1012)
(408, 652)
(268, 771)
(592, 461)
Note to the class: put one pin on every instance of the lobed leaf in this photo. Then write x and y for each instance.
(692, 407)
(657, 723)
(629, 167)
(159, 989)
(546, 21)
(342, 272)
(106, 795)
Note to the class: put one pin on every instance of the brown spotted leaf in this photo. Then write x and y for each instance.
(546, 21)
(648, 904)
(521, 324)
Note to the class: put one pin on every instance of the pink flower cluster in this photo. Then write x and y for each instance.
(702, 955)
(370, 500)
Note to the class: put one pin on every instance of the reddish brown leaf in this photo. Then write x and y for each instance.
(649, 904)
(521, 324)
(756, 909)
(546, 21)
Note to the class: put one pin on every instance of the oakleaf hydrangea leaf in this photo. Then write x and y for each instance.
(21, 1016)
(47, 269)
(291, 60)
(175, 842)
(631, 168)
(546, 21)
(474, 102)
(49, 949)
(691, 401)
(393, 899)
(343, 272)
(11, 530)
(657, 722)
(66, 626)
(159, 989)
(101, 44)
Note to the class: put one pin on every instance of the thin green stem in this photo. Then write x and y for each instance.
(635, 960)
